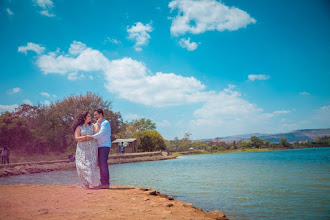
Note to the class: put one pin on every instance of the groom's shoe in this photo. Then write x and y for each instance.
(102, 186)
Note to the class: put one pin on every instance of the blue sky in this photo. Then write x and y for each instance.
(210, 68)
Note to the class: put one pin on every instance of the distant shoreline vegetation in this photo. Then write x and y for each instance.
(197, 152)
(186, 146)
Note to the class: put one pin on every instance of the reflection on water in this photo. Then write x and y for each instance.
(258, 185)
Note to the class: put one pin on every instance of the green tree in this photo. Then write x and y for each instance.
(173, 144)
(267, 144)
(214, 148)
(185, 142)
(246, 144)
(130, 129)
(15, 132)
(284, 142)
(234, 145)
(322, 141)
(150, 140)
(200, 145)
(256, 142)
(144, 124)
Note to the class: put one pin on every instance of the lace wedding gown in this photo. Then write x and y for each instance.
(86, 158)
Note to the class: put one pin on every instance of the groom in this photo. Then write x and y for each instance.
(104, 145)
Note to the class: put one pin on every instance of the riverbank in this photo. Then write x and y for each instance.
(74, 202)
(47, 166)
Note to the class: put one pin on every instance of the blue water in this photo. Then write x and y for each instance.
(291, 184)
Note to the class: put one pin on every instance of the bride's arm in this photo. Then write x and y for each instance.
(78, 137)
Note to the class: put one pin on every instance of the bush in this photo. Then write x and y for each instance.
(150, 140)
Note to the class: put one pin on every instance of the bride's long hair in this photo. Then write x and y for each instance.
(80, 120)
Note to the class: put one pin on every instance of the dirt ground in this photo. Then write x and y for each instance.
(74, 202)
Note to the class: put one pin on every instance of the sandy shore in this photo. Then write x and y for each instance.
(74, 202)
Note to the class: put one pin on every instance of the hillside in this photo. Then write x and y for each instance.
(293, 136)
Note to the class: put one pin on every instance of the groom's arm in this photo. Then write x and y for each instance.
(105, 128)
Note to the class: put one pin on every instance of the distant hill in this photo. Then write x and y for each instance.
(293, 136)
(240, 136)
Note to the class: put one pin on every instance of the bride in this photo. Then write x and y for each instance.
(87, 152)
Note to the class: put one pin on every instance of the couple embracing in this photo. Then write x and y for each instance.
(93, 149)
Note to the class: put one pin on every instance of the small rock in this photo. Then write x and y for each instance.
(170, 198)
(154, 193)
(169, 205)
(43, 211)
(219, 214)
(187, 205)
(146, 199)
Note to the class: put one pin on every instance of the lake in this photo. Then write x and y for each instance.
(285, 184)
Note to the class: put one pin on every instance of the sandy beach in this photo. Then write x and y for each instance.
(74, 202)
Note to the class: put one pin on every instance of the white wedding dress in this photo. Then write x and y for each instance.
(86, 158)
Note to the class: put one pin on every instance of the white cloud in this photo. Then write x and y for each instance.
(14, 90)
(226, 113)
(77, 48)
(164, 123)
(114, 41)
(253, 77)
(27, 101)
(133, 116)
(323, 113)
(44, 3)
(31, 46)
(9, 108)
(132, 80)
(276, 113)
(139, 33)
(46, 102)
(304, 93)
(75, 76)
(9, 12)
(46, 13)
(48, 95)
(185, 43)
(282, 112)
(226, 104)
(126, 77)
(79, 58)
(199, 16)
(45, 94)
(46, 6)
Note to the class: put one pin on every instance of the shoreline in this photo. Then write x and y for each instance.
(198, 152)
(74, 202)
(48, 166)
